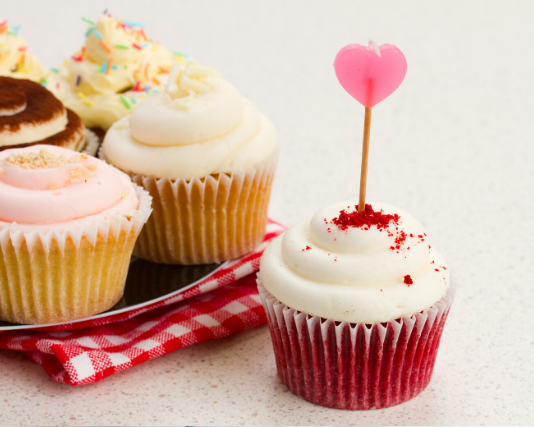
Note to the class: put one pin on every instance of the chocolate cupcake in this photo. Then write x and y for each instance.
(31, 115)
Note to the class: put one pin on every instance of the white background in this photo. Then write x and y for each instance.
(453, 146)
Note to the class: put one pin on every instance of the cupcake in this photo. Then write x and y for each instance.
(68, 225)
(31, 115)
(356, 303)
(117, 67)
(15, 60)
(207, 157)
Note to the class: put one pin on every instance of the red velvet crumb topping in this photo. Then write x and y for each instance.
(366, 219)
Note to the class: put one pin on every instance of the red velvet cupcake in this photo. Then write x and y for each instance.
(356, 303)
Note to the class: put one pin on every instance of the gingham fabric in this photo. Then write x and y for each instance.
(224, 303)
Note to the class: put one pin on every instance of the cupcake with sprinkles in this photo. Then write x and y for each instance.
(31, 115)
(15, 60)
(356, 296)
(116, 68)
(68, 225)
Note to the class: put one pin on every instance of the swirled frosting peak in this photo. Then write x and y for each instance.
(49, 185)
(197, 106)
(360, 267)
(116, 68)
(15, 60)
(200, 125)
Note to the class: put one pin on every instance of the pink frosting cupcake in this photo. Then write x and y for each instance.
(68, 225)
(356, 303)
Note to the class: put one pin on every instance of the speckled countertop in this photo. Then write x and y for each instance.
(453, 146)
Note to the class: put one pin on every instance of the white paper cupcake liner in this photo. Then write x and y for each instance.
(355, 366)
(92, 143)
(48, 277)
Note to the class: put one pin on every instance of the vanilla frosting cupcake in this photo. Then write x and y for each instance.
(356, 303)
(207, 156)
(116, 68)
(15, 60)
(68, 225)
(31, 115)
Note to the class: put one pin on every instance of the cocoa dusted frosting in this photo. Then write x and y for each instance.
(30, 115)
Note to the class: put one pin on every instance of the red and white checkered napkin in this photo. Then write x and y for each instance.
(223, 304)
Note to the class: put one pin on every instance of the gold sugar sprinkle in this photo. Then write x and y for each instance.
(44, 159)
(53, 186)
(41, 160)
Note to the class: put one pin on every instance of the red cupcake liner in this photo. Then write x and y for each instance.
(355, 366)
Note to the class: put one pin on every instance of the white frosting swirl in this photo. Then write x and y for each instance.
(200, 126)
(358, 274)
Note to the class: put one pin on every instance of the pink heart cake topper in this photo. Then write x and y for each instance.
(370, 73)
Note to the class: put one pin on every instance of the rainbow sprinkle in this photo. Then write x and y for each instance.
(181, 55)
(104, 67)
(122, 46)
(85, 100)
(134, 24)
(106, 46)
(136, 46)
(43, 82)
(78, 80)
(13, 31)
(125, 102)
(88, 21)
(55, 70)
(89, 31)
(98, 34)
(134, 100)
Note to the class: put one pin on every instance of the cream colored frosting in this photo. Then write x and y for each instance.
(31, 132)
(15, 61)
(43, 187)
(358, 274)
(110, 75)
(200, 126)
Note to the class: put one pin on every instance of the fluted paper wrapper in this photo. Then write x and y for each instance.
(92, 143)
(51, 277)
(208, 220)
(355, 366)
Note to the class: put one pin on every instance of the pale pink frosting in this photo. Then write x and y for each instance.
(41, 199)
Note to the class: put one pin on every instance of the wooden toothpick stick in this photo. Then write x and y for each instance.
(369, 74)
(365, 158)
